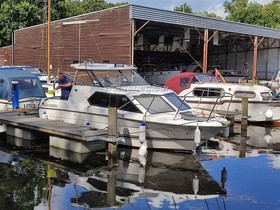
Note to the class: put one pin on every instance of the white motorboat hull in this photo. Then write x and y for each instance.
(256, 110)
(28, 104)
(159, 135)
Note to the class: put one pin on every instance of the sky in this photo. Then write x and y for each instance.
(212, 6)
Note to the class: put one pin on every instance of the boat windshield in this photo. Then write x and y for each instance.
(34, 70)
(202, 78)
(119, 78)
(169, 102)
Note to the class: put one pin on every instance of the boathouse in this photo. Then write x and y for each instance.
(147, 37)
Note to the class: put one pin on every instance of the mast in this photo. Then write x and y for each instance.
(49, 37)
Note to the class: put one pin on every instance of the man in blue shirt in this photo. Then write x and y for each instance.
(65, 84)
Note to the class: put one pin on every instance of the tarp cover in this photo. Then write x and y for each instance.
(29, 85)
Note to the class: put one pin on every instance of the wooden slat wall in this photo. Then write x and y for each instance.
(105, 39)
(6, 56)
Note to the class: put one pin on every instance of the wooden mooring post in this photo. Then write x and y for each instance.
(244, 118)
(112, 123)
(112, 156)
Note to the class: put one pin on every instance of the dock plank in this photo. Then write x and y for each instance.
(52, 127)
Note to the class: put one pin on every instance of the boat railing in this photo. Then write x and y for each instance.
(214, 94)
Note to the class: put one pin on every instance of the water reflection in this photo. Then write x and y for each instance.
(237, 173)
(259, 140)
(156, 180)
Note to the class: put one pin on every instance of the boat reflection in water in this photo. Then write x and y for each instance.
(259, 140)
(155, 180)
(34, 178)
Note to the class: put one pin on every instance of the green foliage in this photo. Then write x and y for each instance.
(187, 9)
(244, 12)
(271, 14)
(253, 13)
(210, 14)
(14, 15)
(184, 8)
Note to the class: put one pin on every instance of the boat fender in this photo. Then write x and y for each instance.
(143, 150)
(226, 132)
(197, 136)
(268, 114)
(142, 133)
(195, 185)
(267, 137)
(141, 175)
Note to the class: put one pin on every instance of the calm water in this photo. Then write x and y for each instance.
(236, 174)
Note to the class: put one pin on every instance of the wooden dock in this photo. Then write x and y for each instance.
(52, 127)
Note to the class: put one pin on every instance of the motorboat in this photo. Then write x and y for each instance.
(206, 92)
(20, 89)
(169, 122)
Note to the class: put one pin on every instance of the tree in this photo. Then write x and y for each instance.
(210, 14)
(187, 9)
(271, 14)
(244, 12)
(14, 15)
(184, 8)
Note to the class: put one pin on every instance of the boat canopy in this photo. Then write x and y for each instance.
(184, 80)
(29, 85)
(33, 69)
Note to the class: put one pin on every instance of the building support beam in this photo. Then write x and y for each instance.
(205, 51)
(255, 58)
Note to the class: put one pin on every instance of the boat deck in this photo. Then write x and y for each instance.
(55, 128)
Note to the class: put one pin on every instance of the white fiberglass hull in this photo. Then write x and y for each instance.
(161, 133)
(31, 104)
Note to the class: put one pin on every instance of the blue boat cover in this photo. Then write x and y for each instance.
(29, 85)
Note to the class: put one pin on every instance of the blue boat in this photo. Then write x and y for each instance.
(20, 89)
(43, 76)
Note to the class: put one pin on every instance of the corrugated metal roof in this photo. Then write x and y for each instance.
(191, 20)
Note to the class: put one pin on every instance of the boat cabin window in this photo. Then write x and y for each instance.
(169, 102)
(111, 100)
(184, 81)
(29, 87)
(203, 78)
(177, 101)
(154, 103)
(241, 94)
(208, 92)
(266, 95)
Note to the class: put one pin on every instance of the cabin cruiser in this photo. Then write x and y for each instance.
(20, 89)
(169, 122)
(206, 92)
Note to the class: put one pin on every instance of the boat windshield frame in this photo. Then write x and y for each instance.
(155, 104)
(112, 78)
